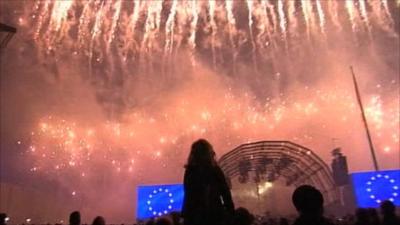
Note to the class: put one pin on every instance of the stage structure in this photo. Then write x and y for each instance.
(266, 162)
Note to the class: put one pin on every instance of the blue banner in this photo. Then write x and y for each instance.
(158, 200)
(372, 188)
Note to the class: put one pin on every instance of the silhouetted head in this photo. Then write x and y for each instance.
(3, 217)
(387, 208)
(99, 221)
(75, 218)
(163, 221)
(150, 222)
(308, 200)
(283, 221)
(373, 215)
(243, 217)
(201, 154)
(176, 217)
(362, 215)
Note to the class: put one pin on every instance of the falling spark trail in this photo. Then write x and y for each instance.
(130, 30)
(152, 25)
(148, 30)
(211, 5)
(282, 23)
(232, 31)
(135, 15)
(389, 16)
(84, 21)
(321, 16)
(333, 11)
(44, 12)
(253, 52)
(169, 34)
(282, 18)
(193, 29)
(170, 27)
(59, 13)
(352, 15)
(115, 18)
(293, 17)
(364, 15)
(306, 7)
(271, 11)
(96, 29)
(272, 25)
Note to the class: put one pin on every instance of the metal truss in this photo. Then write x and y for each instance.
(297, 164)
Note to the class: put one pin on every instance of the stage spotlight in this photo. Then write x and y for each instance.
(264, 187)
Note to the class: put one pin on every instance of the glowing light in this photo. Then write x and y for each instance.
(264, 187)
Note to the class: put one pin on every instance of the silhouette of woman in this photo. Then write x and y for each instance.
(207, 196)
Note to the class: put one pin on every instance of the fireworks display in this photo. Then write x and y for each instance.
(130, 84)
(150, 34)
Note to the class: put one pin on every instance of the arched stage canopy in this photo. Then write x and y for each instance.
(270, 160)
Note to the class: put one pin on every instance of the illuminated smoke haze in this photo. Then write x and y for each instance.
(112, 93)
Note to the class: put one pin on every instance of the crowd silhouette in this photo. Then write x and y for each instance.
(208, 201)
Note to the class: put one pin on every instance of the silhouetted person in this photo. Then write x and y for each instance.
(207, 200)
(373, 216)
(243, 217)
(388, 211)
(99, 221)
(362, 217)
(309, 202)
(150, 222)
(3, 217)
(175, 217)
(283, 221)
(163, 221)
(75, 218)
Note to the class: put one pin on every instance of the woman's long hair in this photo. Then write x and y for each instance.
(201, 155)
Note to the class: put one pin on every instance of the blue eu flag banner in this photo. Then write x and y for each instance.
(372, 188)
(158, 200)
